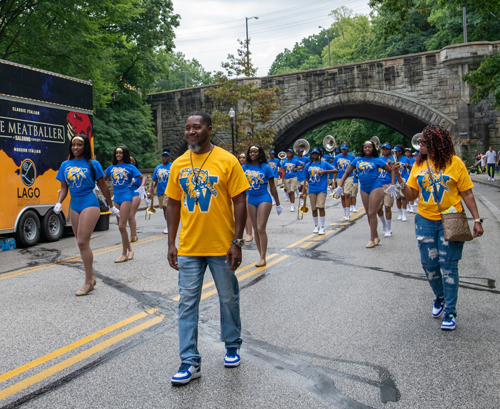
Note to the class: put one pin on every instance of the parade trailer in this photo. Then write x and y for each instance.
(40, 111)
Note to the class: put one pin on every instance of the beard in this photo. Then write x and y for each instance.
(195, 148)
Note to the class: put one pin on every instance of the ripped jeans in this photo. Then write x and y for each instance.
(439, 260)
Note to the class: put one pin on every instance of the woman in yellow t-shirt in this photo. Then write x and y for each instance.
(450, 184)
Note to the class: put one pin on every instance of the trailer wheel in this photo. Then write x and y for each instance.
(28, 230)
(52, 226)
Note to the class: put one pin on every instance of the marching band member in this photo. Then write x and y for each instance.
(79, 175)
(355, 188)
(368, 165)
(275, 164)
(439, 175)
(136, 201)
(259, 174)
(387, 199)
(242, 158)
(122, 174)
(401, 201)
(291, 166)
(341, 163)
(317, 172)
(160, 180)
(301, 174)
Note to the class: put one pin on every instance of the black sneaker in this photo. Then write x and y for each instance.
(449, 322)
(185, 373)
(438, 307)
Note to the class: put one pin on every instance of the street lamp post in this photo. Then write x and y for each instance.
(328, 35)
(231, 115)
(246, 23)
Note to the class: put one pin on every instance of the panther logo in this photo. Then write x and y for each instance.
(163, 175)
(255, 179)
(120, 176)
(199, 188)
(364, 167)
(313, 174)
(343, 163)
(289, 167)
(440, 182)
(75, 176)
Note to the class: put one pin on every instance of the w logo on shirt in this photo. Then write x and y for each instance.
(199, 188)
(163, 175)
(314, 175)
(255, 179)
(120, 176)
(343, 164)
(440, 182)
(74, 176)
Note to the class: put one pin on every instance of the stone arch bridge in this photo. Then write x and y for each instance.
(405, 93)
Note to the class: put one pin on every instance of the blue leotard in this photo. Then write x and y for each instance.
(78, 176)
(122, 175)
(368, 172)
(257, 176)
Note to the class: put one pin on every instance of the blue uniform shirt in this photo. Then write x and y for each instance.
(368, 170)
(257, 176)
(342, 162)
(288, 165)
(77, 175)
(122, 175)
(317, 183)
(161, 174)
(385, 177)
(275, 166)
(301, 174)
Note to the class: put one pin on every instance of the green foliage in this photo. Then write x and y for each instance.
(253, 105)
(127, 120)
(486, 79)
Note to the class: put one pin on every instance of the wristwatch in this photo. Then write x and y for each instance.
(239, 242)
(478, 221)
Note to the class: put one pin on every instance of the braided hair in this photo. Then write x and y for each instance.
(440, 149)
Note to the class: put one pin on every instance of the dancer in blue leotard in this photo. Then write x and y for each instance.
(259, 174)
(79, 175)
(122, 173)
(367, 165)
(136, 201)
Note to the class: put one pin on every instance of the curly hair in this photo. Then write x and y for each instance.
(262, 154)
(440, 149)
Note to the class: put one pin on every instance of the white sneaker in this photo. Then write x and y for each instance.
(292, 208)
(347, 217)
(321, 231)
(354, 210)
(400, 217)
(165, 231)
(315, 229)
(404, 219)
(388, 233)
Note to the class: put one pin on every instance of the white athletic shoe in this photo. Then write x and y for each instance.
(489, 177)
(292, 208)
(400, 217)
(404, 219)
(347, 217)
(388, 234)
(165, 231)
(354, 210)
(321, 231)
(316, 229)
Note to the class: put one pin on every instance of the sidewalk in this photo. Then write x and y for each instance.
(483, 179)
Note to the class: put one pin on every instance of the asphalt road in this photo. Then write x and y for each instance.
(326, 324)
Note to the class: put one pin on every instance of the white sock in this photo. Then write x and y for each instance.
(346, 211)
(315, 220)
(353, 208)
(401, 211)
(322, 221)
(389, 224)
(382, 220)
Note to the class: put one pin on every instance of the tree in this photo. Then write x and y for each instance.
(486, 79)
(253, 105)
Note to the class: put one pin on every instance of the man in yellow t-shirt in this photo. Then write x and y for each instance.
(206, 183)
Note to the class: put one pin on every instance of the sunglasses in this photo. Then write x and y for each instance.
(421, 142)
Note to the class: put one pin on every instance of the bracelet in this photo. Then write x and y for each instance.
(478, 221)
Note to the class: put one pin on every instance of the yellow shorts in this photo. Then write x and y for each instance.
(348, 186)
(318, 200)
(291, 184)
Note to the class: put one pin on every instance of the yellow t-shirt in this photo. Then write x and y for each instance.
(207, 220)
(448, 183)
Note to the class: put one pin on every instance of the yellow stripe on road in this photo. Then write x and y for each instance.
(74, 345)
(32, 380)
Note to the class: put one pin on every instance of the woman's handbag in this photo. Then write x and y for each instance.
(455, 225)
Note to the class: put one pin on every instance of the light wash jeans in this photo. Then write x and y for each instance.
(191, 272)
(439, 260)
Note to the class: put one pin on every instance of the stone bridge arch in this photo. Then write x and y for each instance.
(404, 114)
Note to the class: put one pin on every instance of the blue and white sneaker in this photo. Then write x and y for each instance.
(232, 359)
(438, 307)
(449, 322)
(185, 374)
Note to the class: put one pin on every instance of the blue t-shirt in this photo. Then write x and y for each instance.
(122, 175)
(288, 165)
(275, 166)
(317, 183)
(161, 174)
(78, 176)
(342, 162)
(301, 174)
(385, 177)
(257, 176)
(355, 176)
(405, 169)
(368, 169)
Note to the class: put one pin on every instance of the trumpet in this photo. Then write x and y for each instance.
(376, 142)
(282, 155)
(150, 210)
(303, 209)
(301, 144)
(329, 143)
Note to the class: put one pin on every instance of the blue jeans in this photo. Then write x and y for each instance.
(191, 272)
(439, 260)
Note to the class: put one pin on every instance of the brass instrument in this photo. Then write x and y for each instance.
(151, 209)
(329, 143)
(301, 144)
(282, 155)
(376, 142)
(303, 209)
(414, 141)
